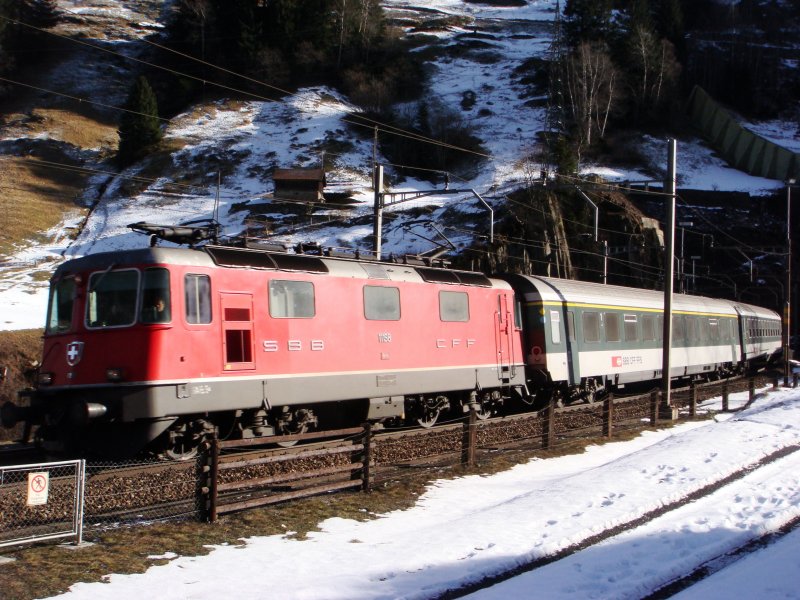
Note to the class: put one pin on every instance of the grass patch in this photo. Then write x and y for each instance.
(82, 131)
(34, 197)
(39, 181)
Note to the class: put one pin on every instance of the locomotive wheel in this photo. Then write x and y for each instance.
(181, 450)
(294, 422)
(484, 411)
(427, 410)
(183, 441)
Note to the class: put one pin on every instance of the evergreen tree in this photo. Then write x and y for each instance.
(587, 21)
(139, 129)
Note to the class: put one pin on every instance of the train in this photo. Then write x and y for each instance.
(157, 349)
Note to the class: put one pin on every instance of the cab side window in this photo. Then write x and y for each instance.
(155, 297)
(197, 298)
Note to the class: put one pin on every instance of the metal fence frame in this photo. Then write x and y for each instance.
(44, 521)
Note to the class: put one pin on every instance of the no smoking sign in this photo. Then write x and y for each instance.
(38, 485)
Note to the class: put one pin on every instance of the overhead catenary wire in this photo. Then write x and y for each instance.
(82, 100)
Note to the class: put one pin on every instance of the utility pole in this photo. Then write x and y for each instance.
(787, 292)
(377, 226)
(669, 262)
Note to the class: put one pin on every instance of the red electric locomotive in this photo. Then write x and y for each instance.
(156, 348)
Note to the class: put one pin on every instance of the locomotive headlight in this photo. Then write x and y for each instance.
(45, 378)
(114, 374)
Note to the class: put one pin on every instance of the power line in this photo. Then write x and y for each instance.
(79, 99)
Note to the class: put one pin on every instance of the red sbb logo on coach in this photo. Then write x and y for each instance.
(616, 361)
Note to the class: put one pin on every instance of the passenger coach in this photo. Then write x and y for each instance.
(583, 339)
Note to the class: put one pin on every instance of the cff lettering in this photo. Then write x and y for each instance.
(455, 343)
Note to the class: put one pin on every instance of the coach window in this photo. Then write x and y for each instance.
(649, 328)
(571, 325)
(691, 329)
(631, 333)
(111, 300)
(291, 299)
(612, 327)
(678, 329)
(381, 303)
(62, 299)
(591, 327)
(453, 306)
(155, 297)
(555, 326)
(197, 297)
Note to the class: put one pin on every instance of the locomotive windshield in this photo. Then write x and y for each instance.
(111, 300)
(62, 299)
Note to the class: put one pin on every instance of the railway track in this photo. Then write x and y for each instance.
(706, 568)
(724, 560)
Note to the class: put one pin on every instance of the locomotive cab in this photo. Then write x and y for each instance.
(107, 326)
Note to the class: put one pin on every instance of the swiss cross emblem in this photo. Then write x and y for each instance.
(74, 353)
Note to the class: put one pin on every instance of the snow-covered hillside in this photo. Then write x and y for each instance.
(258, 135)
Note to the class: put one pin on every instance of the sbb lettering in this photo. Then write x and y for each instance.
(293, 345)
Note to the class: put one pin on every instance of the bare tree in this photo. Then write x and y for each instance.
(591, 91)
(652, 68)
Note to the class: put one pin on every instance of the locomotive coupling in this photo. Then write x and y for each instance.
(11, 414)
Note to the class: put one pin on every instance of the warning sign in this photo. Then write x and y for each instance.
(38, 486)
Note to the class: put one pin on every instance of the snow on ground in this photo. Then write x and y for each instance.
(468, 528)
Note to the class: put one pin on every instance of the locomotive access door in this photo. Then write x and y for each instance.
(503, 338)
(237, 331)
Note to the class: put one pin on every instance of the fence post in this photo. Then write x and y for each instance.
(470, 437)
(654, 401)
(367, 457)
(213, 477)
(692, 399)
(751, 389)
(608, 416)
(794, 380)
(81, 492)
(725, 393)
(549, 434)
(775, 383)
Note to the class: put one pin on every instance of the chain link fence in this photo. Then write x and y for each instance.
(41, 502)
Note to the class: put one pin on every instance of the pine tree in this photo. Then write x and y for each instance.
(139, 129)
(587, 21)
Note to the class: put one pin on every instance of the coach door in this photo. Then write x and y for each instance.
(237, 331)
(504, 337)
